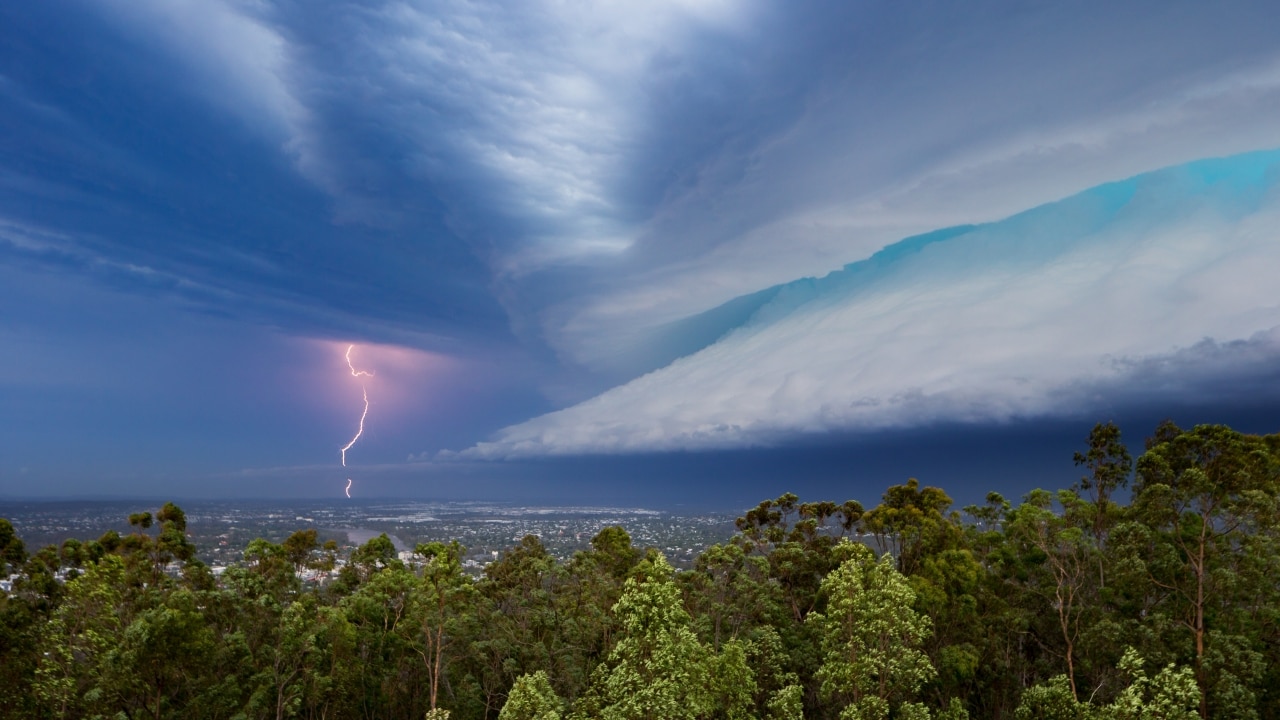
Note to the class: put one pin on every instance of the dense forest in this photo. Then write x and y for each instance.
(1149, 589)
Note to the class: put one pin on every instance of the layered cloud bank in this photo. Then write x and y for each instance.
(1153, 287)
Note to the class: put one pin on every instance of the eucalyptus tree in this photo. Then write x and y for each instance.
(912, 522)
(796, 538)
(441, 606)
(730, 592)
(1061, 556)
(161, 661)
(17, 627)
(515, 603)
(591, 586)
(379, 614)
(931, 547)
(1171, 694)
(658, 670)
(294, 663)
(871, 638)
(1205, 510)
(1109, 465)
(71, 676)
(13, 553)
(532, 698)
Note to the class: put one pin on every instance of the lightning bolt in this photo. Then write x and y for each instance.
(359, 431)
(358, 374)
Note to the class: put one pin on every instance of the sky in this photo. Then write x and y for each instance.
(695, 252)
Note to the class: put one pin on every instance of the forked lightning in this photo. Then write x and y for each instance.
(358, 374)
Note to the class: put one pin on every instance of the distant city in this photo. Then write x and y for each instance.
(221, 530)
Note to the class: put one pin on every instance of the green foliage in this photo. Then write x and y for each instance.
(1107, 460)
(78, 637)
(12, 552)
(787, 704)
(1053, 700)
(657, 669)
(731, 683)
(954, 710)
(299, 546)
(1202, 496)
(1170, 695)
(532, 698)
(1042, 611)
(910, 523)
(871, 637)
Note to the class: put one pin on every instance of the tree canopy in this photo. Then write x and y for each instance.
(1146, 590)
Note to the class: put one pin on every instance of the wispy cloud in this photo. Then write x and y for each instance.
(616, 168)
(979, 136)
(235, 60)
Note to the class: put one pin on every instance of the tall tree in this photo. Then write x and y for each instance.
(1200, 494)
(532, 698)
(440, 605)
(730, 592)
(77, 639)
(12, 552)
(161, 660)
(871, 638)
(1109, 465)
(1064, 556)
(910, 522)
(658, 669)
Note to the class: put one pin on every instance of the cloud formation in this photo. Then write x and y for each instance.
(843, 181)
(563, 197)
(583, 175)
(1135, 290)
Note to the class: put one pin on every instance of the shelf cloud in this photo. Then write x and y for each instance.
(1134, 290)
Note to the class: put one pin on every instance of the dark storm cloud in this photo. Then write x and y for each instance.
(556, 197)
(115, 163)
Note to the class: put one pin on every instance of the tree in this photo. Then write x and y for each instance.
(78, 637)
(386, 639)
(1170, 695)
(444, 597)
(378, 554)
(1109, 465)
(159, 662)
(909, 523)
(271, 564)
(524, 632)
(299, 546)
(787, 704)
(293, 655)
(871, 638)
(12, 552)
(730, 682)
(729, 592)
(583, 600)
(1065, 556)
(531, 698)
(658, 669)
(797, 538)
(1200, 495)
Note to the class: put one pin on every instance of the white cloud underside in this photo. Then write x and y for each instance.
(1053, 312)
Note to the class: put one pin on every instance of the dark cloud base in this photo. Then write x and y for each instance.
(967, 461)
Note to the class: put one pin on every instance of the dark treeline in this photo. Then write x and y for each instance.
(1068, 604)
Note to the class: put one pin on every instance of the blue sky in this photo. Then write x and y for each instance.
(625, 250)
